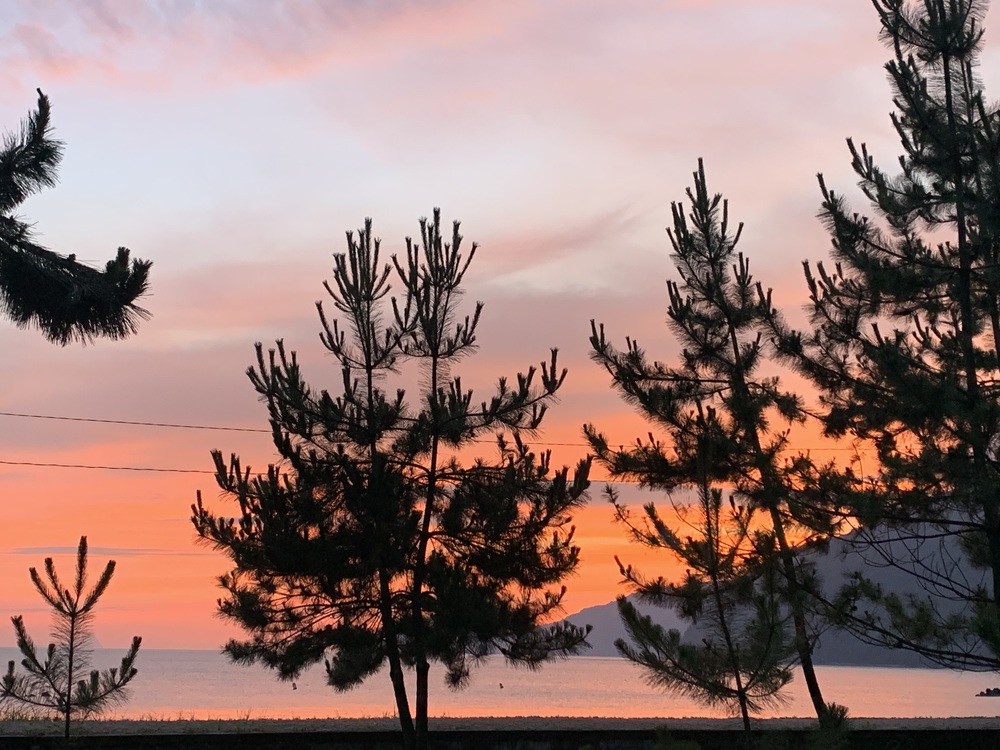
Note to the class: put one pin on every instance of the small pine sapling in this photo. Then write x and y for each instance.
(730, 592)
(62, 681)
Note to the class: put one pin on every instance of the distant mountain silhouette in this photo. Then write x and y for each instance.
(608, 627)
(834, 647)
(844, 558)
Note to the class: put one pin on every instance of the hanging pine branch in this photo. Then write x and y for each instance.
(67, 300)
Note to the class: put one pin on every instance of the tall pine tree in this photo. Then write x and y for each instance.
(378, 539)
(905, 343)
(716, 398)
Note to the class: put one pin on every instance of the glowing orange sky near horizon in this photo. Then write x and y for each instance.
(163, 586)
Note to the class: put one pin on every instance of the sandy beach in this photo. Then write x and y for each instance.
(39, 727)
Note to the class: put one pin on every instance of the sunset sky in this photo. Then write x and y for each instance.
(234, 142)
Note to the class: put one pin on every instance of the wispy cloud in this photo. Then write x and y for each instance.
(153, 42)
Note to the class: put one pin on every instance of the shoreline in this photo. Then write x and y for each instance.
(97, 727)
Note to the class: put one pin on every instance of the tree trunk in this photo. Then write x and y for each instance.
(741, 693)
(423, 671)
(395, 664)
(802, 644)
(420, 642)
(980, 451)
(402, 704)
(774, 489)
(70, 653)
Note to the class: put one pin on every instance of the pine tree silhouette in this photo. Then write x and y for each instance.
(905, 344)
(378, 540)
(62, 681)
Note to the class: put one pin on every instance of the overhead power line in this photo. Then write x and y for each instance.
(133, 423)
(47, 465)
(224, 428)
(101, 467)
(178, 426)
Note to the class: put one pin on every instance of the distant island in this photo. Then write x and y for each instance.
(834, 647)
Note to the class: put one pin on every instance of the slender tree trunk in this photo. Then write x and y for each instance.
(980, 436)
(773, 489)
(731, 649)
(70, 653)
(420, 646)
(423, 671)
(396, 676)
(712, 537)
(795, 595)
(802, 645)
(395, 664)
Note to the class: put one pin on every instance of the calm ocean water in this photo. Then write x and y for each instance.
(204, 685)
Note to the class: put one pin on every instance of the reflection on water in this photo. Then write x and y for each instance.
(203, 684)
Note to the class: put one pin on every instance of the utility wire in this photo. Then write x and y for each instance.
(100, 467)
(42, 464)
(181, 426)
(204, 426)
(133, 423)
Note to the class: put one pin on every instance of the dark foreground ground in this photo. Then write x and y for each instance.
(517, 733)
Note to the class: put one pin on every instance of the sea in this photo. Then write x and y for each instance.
(189, 684)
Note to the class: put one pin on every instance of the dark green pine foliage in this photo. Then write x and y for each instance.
(905, 340)
(718, 409)
(379, 540)
(730, 590)
(62, 681)
(67, 300)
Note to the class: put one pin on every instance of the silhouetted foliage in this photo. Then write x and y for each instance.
(717, 411)
(730, 590)
(62, 681)
(377, 540)
(66, 299)
(905, 344)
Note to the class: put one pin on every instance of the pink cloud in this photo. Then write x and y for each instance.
(153, 43)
